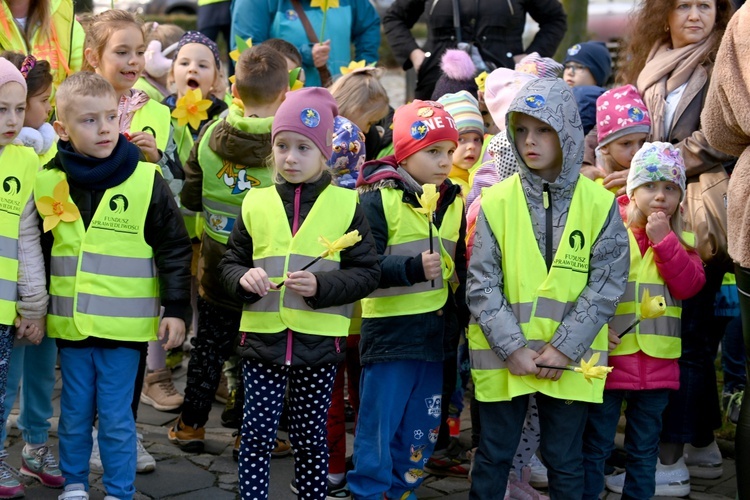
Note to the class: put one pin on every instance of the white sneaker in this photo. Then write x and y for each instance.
(145, 462)
(671, 480)
(704, 463)
(75, 491)
(538, 478)
(95, 462)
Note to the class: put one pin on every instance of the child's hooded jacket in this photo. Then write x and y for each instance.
(609, 261)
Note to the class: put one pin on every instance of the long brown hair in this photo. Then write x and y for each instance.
(37, 18)
(647, 28)
(100, 28)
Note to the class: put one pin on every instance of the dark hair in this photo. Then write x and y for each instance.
(261, 75)
(287, 49)
(647, 29)
(38, 79)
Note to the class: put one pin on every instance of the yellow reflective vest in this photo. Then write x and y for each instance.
(277, 251)
(157, 118)
(103, 280)
(658, 337)
(540, 299)
(18, 167)
(408, 234)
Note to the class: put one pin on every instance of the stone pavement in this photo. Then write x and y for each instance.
(212, 475)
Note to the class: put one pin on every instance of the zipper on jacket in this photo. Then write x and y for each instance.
(288, 357)
(295, 228)
(548, 216)
(338, 344)
(510, 6)
(242, 338)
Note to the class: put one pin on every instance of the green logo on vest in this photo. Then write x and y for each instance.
(576, 241)
(12, 186)
(118, 204)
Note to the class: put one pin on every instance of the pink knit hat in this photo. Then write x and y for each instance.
(309, 112)
(419, 124)
(620, 111)
(500, 89)
(9, 73)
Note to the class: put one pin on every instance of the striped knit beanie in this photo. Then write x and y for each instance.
(464, 108)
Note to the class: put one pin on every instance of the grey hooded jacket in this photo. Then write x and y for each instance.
(609, 261)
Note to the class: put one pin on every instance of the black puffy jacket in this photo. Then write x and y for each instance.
(494, 26)
(358, 277)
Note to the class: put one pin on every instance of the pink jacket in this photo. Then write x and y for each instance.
(683, 274)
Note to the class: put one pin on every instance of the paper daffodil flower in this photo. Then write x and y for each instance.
(191, 109)
(242, 45)
(341, 243)
(652, 307)
(352, 66)
(294, 83)
(325, 4)
(57, 207)
(480, 80)
(428, 200)
(590, 370)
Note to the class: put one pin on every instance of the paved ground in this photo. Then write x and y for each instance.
(213, 475)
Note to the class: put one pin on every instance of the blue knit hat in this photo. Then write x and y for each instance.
(595, 56)
(586, 96)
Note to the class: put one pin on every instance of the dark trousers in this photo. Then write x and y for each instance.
(561, 423)
(742, 437)
(643, 413)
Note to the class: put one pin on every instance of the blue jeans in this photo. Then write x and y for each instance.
(97, 379)
(561, 424)
(35, 365)
(399, 421)
(643, 414)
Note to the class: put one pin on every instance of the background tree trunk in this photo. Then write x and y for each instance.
(577, 11)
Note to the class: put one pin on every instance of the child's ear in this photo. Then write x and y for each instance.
(604, 149)
(235, 93)
(60, 130)
(91, 57)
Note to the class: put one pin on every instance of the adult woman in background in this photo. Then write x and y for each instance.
(492, 30)
(47, 29)
(726, 122)
(669, 57)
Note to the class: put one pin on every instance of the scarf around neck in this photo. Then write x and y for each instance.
(99, 173)
(667, 69)
(127, 107)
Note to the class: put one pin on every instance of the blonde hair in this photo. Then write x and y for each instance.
(360, 92)
(99, 29)
(636, 218)
(276, 176)
(166, 34)
(81, 84)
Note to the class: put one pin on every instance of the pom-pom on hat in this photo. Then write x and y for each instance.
(458, 73)
(309, 112)
(595, 56)
(464, 108)
(9, 73)
(500, 89)
(198, 37)
(656, 161)
(419, 124)
(620, 111)
(348, 152)
(543, 67)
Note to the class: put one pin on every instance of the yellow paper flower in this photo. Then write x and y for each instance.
(191, 108)
(325, 4)
(294, 81)
(480, 79)
(428, 200)
(652, 307)
(57, 208)
(352, 66)
(341, 243)
(590, 370)
(233, 79)
(241, 46)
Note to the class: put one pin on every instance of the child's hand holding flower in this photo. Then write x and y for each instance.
(147, 143)
(657, 227)
(302, 282)
(256, 281)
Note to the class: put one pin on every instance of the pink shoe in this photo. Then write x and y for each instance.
(10, 487)
(41, 464)
(520, 489)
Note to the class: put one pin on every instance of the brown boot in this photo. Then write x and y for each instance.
(159, 391)
(190, 439)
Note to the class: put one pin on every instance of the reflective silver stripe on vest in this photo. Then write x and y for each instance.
(552, 309)
(8, 247)
(123, 267)
(629, 295)
(621, 322)
(413, 248)
(217, 206)
(8, 290)
(665, 326)
(267, 304)
(297, 262)
(486, 359)
(450, 247)
(97, 305)
(63, 266)
(61, 306)
(522, 311)
(297, 301)
(424, 286)
(273, 266)
(654, 290)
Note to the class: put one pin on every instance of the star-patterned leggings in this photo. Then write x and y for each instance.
(309, 399)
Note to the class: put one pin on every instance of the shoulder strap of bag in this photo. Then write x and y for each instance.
(325, 75)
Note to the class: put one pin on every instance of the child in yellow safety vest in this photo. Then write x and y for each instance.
(295, 321)
(23, 294)
(546, 271)
(119, 277)
(411, 323)
(662, 262)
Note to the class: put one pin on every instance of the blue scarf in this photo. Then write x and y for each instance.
(99, 173)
